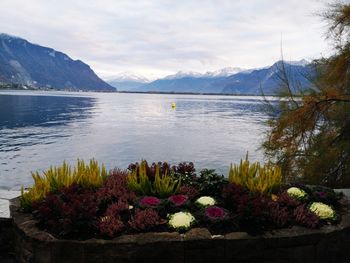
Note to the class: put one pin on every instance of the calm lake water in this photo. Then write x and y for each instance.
(38, 129)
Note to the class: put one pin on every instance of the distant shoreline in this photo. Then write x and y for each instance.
(18, 87)
(190, 93)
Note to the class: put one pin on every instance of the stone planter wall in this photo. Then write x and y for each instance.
(6, 240)
(297, 244)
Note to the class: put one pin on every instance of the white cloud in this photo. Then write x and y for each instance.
(158, 37)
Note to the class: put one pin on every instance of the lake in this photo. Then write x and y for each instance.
(38, 129)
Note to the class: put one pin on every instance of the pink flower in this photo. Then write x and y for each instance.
(178, 200)
(215, 213)
(150, 201)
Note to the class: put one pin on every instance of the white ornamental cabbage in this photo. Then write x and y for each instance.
(181, 220)
(205, 201)
(296, 192)
(322, 210)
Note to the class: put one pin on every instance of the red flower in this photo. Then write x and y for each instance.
(215, 213)
(150, 201)
(178, 200)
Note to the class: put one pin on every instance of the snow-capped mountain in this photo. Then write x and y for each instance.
(129, 76)
(224, 72)
(232, 80)
(184, 74)
(302, 62)
(127, 81)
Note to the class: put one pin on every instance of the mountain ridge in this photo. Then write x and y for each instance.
(22, 62)
(243, 82)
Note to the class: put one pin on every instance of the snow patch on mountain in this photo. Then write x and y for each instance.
(128, 76)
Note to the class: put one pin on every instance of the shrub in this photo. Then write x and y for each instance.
(70, 211)
(111, 223)
(256, 178)
(116, 209)
(162, 185)
(56, 178)
(114, 189)
(285, 200)
(280, 216)
(144, 219)
(251, 210)
(211, 183)
(110, 226)
(303, 216)
(281, 210)
(184, 172)
(191, 191)
(232, 195)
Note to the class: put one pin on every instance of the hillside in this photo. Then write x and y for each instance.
(22, 62)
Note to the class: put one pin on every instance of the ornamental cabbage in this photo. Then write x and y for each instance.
(181, 220)
(205, 201)
(296, 192)
(322, 210)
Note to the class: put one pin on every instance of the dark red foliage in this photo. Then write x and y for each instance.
(191, 191)
(70, 211)
(283, 199)
(115, 189)
(304, 217)
(234, 195)
(117, 208)
(282, 210)
(144, 219)
(280, 215)
(110, 226)
(255, 212)
(178, 200)
(253, 208)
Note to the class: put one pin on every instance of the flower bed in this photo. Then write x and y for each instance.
(329, 243)
(163, 209)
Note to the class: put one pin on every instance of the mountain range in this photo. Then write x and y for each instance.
(25, 63)
(22, 62)
(227, 80)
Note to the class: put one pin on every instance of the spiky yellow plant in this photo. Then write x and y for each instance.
(138, 180)
(162, 186)
(87, 175)
(255, 177)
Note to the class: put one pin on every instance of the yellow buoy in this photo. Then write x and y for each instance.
(173, 105)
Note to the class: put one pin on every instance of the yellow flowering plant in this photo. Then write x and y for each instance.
(90, 175)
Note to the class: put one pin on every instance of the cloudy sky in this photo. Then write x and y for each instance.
(155, 38)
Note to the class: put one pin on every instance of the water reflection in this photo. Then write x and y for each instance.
(37, 131)
(22, 110)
